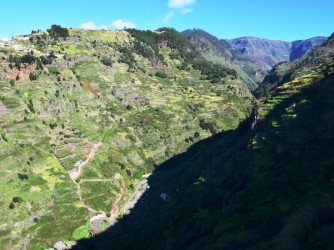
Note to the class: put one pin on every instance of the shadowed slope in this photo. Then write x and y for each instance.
(244, 189)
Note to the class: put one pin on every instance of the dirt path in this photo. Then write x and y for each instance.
(96, 180)
(111, 219)
(101, 216)
(140, 188)
(77, 171)
(67, 157)
(114, 210)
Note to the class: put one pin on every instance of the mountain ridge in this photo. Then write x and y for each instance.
(257, 56)
(287, 71)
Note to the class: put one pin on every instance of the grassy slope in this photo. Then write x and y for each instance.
(269, 189)
(141, 119)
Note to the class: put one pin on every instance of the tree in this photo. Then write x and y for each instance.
(32, 77)
(11, 205)
(57, 31)
(28, 58)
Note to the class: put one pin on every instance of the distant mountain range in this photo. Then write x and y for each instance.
(287, 71)
(268, 53)
(254, 56)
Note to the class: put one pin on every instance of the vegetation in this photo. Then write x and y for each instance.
(82, 233)
(284, 72)
(29, 59)
(103, 88)
(265, 185)
(56, 31)
(148, 43)
(93, 112)
(107, 61)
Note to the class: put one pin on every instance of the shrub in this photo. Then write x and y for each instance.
(32, 77)
(23, 176)
(11, 205)
(31, 106)
(107, 61)
(161, 74)
(17, 199)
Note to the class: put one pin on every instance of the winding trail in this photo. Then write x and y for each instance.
(77, 171)
(114, 209)
(96, 221)
(140, 188)
(101, 216)
(96, 180)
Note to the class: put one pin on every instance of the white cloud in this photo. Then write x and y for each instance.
(168, 16)
(4, 39)
(179, 7)
(120, 24)
(92, 26)
(186, 11)
(180, 3)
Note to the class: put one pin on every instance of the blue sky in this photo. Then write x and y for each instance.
(274, 19)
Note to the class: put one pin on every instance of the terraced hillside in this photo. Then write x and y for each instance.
(266, 185)
(84, 115)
